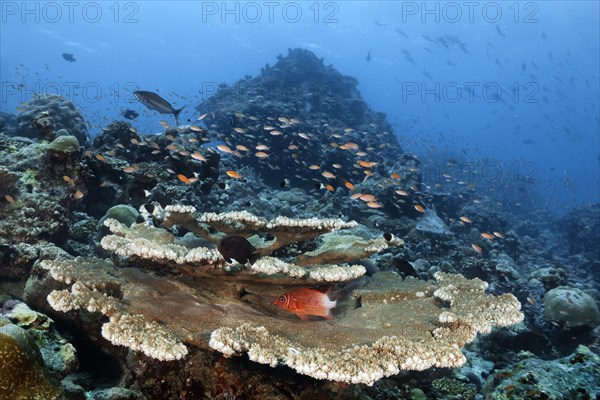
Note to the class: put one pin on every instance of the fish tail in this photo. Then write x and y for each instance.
(176, 114)
(332, 300)
(332, 294)
(253, 257)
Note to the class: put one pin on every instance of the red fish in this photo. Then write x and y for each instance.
(304, 302)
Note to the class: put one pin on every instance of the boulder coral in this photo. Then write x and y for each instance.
(571, 307)
(23, 375)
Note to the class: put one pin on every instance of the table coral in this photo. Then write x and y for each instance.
(150, 244)
(399, 326)
(381, 325)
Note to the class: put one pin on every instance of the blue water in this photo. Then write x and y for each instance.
(530, 123)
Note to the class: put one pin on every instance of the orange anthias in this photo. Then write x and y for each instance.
(304, 302)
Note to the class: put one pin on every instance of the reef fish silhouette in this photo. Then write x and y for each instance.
(157, 103)
(68, 57)
(237, 248)
(129, 114)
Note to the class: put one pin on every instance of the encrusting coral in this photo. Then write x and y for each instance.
(381, 325)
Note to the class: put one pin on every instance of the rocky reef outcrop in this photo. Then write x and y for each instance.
(302, 112)
(44, 116)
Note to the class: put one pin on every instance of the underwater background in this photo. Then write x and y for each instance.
(532, 69)
(299, 200)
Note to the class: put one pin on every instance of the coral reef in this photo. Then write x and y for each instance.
(575, 376)
(419, 334)
(23, 375)
(48, 367)
(7, 179)
(123, 213)
(571, 307)
(157, 245)
(133, 168)
(284, 159)
(384, 327)
(445, 388)
(17, 259)
(550, 277)
(44, 185)
(32, 219)
(64, 146)
(431, 224)
(60, 357)
(7, 122)
(46, 114)
(581, 230)
(281, 110)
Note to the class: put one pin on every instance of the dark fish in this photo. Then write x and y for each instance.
(404, 267)
(237, 248)
(444, 42)
(401, 33)
(464, 49)
(129, 114)
(157, 103)
(409, 57)
(500, 31)
(529, 141)
(368, 56)
(68, 57)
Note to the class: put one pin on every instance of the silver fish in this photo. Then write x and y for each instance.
(157, 103)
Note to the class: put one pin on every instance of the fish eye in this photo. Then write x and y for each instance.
(282, 299)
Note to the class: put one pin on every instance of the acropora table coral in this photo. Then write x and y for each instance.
(381, 326)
